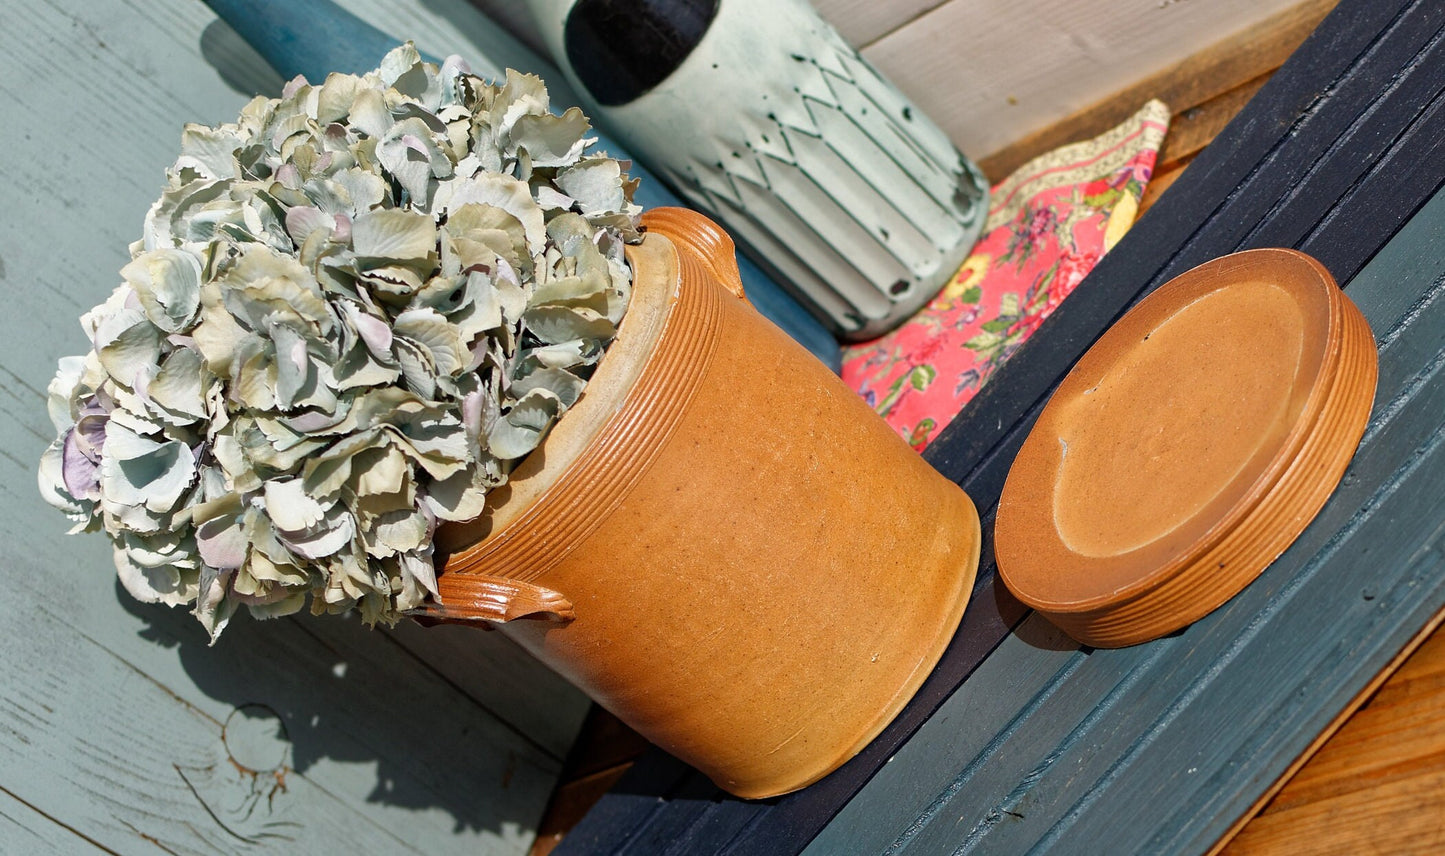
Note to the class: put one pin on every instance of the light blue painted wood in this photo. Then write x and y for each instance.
(31, 832)
(117, 721)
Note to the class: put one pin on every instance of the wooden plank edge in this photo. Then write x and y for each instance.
(1191, 82)
(1329, 731)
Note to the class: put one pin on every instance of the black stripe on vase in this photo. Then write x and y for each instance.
(620, 49)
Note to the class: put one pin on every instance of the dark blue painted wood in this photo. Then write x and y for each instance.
(1334, 155)
(1200, 723)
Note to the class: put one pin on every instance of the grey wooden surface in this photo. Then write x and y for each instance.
(120, 730)
(1050, 747)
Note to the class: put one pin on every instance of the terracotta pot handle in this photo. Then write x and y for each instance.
(471, 598)
(714, 248)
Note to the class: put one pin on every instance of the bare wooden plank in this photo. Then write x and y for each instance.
(1401, 817)
(989, 72)
(863, 22)
(1186, 85)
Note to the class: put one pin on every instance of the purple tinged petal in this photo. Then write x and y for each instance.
(289, 175)
(222, 543)
(472, 413)
(81, 474)
(298, 355)
(310, 421)
(90, 433)
(375, 332)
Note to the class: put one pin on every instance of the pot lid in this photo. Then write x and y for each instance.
(1187, 448)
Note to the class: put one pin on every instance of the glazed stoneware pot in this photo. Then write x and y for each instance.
(1188, 448)
(721, 543)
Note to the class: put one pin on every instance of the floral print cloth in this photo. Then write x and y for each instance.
(1049, 223)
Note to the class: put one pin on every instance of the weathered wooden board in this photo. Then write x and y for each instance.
(1362, 83)
(118, 725)
(992, 71)
(1377, 783)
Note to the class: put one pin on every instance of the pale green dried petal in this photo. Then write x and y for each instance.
(369, 114)
(416, 566)
(521, 429)
(336, 95)
(301, 221)
(166, 584)
(178, 386)
(461, 497)
(217, 335)
(52, 485)
(551, 198)
(550, 140)
(565, 385)
(213, 609)
(564, 355)
(596, 185)
(523, 95)
(138, 471)
(499, 191)
(326, 473)
(480, 248)
(392, 284)
(61, 392)
(287, 601)
(393, 234)
(290, 507)
(327, 537)
(128, 345)
(269, 443)
(222, 541)
(210, 151)
(431, 330)
(264, 569)
(253, 375)
(228, 452)
(365, 190)
(417, 371)
(410, 153)
(397, 532)
(554, 324)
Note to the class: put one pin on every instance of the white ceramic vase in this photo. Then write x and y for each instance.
(758, 111)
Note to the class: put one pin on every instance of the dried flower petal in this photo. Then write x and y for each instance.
(350, 312)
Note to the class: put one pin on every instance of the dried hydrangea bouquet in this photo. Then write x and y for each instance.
(351, 313)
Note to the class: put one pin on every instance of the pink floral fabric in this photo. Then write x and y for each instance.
(1049, 223)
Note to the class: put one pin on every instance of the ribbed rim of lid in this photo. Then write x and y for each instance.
(1132, 539)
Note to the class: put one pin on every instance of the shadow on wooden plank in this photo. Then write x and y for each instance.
(329, 687)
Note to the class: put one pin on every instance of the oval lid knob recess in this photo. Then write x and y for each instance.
(1187, 449)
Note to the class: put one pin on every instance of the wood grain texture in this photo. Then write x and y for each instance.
(992, 71)
(1209, 80)
(119, 727)
(1378, 772)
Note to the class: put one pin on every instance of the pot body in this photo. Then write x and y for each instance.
(760, 572)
